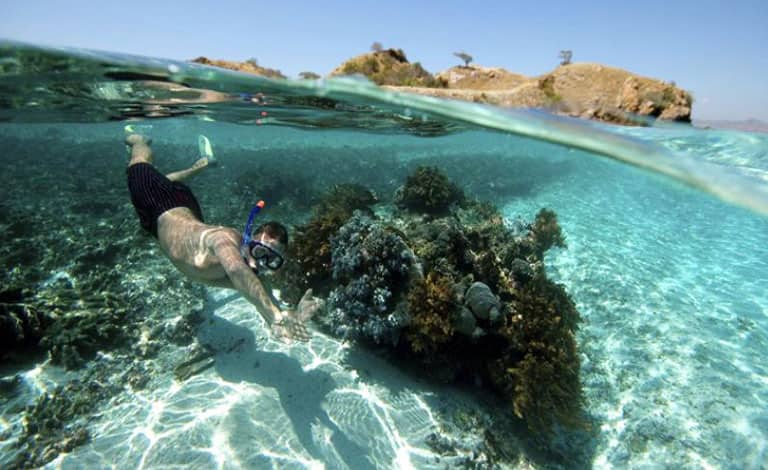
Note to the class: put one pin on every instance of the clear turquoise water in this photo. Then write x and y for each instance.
(671, 281)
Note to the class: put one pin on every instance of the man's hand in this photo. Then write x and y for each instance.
(291, 325)
(308, 306)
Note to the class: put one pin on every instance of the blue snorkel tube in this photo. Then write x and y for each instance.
(247, 232)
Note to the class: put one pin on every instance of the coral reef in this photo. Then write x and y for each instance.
(429, 191)
(448, 284)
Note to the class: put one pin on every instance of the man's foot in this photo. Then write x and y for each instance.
(206, 150)
(201, 163)
(138, 129)
(136, 139)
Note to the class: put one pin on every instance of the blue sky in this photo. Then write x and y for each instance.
(716, 49)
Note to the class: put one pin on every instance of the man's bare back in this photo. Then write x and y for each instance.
(188, 244)
(206, 253)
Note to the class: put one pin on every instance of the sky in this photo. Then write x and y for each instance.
(714, 49)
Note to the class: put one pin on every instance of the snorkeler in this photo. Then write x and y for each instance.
(214, 255)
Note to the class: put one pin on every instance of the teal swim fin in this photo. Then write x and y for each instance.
(205, 148)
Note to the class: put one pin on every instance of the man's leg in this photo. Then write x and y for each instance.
(184, 174)
(206, 158)
(141, 152)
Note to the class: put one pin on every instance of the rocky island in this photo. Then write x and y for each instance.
(585, 90)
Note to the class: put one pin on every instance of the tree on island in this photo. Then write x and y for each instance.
(565, 57)
(465, 57)
(252, 61)
(377, 47)
(309, 75)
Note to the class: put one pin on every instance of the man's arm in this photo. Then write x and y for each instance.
(284, 324)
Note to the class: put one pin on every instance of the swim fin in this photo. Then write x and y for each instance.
(206, 150)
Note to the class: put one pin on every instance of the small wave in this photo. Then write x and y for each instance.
(73, 85)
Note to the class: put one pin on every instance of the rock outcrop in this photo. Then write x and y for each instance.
(476, 77)
(248, 67)
(389, 67)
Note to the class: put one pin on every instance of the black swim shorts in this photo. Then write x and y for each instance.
(152, 194)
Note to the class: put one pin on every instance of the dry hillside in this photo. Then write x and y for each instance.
(586, 90)
(248, 67)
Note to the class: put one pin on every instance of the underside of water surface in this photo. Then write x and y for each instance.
(504, 288)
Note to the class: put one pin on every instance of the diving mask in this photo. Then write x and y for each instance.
(265, 255)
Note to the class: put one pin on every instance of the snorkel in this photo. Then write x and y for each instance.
(263, 254)
(249, 225)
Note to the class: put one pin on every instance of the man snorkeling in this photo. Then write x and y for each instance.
(214, 255)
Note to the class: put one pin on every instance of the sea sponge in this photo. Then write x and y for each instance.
(428, 191)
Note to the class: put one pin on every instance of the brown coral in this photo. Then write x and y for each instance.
(428, 191)
(432, 304)
(546, 232)
(540, 372)
(311, 247)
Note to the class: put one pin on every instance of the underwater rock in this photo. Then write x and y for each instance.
(521, 270)
(371, 265)
(137, 377)
(440, 444)
(10, 385)
(22, 324)
(200, 361)
(482, 302)
(465, 322)
(183, 332)
(428, 191)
